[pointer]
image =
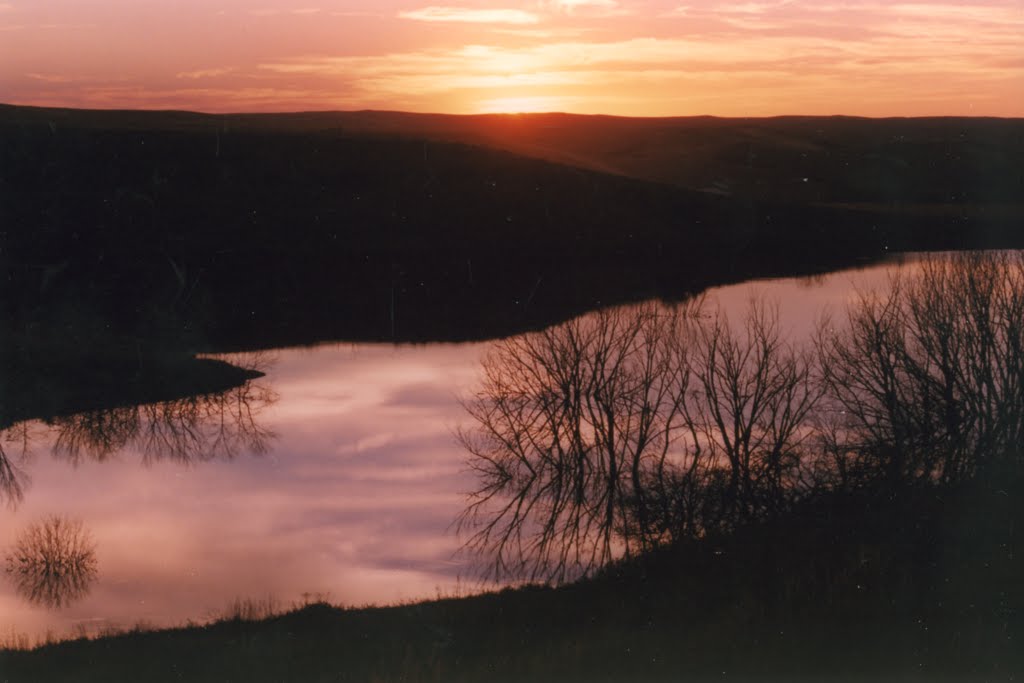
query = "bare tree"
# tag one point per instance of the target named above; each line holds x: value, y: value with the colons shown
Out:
x: 572, y: 423
x: 929, y: 378
x: 616, y: 432
x: 619, y: 431
x: 754, y: 394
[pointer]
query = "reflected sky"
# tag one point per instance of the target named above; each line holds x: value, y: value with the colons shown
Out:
x: 354, y: 498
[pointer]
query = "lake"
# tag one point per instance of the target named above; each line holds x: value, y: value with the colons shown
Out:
x: 335, y: 476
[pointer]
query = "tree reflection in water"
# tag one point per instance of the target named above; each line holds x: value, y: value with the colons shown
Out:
x: 184, y: 430
x: 575, y: 426
x: 12, y: 480
x: 53, y: 562
x: 631, y: 428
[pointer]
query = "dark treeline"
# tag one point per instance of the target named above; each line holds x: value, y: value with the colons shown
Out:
x: 636, y: 428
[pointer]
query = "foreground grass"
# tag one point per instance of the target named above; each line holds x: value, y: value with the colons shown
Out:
x: 852, y: 588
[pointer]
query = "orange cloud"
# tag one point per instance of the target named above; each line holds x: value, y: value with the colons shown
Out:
x: 593, y: 7
x: 471, y: 16
x: 205, y: 73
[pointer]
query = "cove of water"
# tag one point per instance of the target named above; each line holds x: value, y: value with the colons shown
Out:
x: 343, y: 484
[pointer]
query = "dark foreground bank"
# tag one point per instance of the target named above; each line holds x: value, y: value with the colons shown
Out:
x: 852, y: 587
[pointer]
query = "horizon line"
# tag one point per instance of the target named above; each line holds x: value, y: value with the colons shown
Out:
x: 518, y: 114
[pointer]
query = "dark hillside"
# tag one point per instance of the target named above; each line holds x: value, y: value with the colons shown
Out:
x: 266, y: 230
x: 917, y: 165
x: 217, y: 236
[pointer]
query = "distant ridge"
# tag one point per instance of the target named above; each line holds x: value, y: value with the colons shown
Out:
x: 923, y: 166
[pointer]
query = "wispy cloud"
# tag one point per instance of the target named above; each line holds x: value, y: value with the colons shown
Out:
x: 471, y: 16
x: 205, y: 73
x: 49, y: 78
x: 355, y: 13
x: 588, y: 7
x: 875, y: 68
x: 927, y: 19
x: 274, y: 11
x: 66, y: 26
x: 543, y: 33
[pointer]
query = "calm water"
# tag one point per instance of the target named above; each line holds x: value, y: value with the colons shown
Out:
x: 350, y: 496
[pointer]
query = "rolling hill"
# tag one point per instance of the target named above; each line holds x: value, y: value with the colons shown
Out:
x: 256, y: 230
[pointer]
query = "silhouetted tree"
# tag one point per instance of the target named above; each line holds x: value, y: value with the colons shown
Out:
x: 571, y: 425
x: 622, y: 430
x: 619, y: 431
x: 753, y: 397
x: 926, y: 381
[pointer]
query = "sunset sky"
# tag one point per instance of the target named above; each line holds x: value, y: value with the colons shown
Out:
x: 629, y: 57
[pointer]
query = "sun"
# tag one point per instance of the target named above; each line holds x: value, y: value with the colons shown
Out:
x: 522, y: 105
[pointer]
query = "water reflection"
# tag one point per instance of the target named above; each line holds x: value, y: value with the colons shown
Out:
x: 187, y: 430
x: 13, y: 449
x: 366, y: 482
x: 631, y: 428
x: 184, y: 430
x: 53, y: 562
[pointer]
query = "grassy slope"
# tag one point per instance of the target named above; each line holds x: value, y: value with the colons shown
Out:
x: 920, y: 590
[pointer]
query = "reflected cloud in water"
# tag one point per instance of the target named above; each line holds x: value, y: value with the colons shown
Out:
x: 355, y: 497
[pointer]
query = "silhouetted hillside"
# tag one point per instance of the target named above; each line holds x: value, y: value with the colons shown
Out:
x: 919, y: 164
x: 265, y: 230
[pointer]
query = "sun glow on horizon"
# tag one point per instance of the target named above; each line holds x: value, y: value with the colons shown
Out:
x: 523, y: 105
